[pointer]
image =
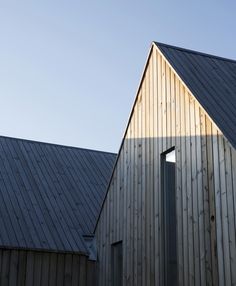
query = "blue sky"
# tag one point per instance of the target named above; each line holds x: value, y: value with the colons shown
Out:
x: 69, y: 70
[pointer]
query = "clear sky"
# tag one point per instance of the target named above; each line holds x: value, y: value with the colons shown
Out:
x: 69, y: 69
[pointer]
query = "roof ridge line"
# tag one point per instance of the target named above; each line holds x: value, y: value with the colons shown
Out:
x: 159, y: 44
x: 55, y: 144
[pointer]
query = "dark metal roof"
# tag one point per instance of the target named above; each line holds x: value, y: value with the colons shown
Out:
x: 50, y: 195
x: 212, y: 80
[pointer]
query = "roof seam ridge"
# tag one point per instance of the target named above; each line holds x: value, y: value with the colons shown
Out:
x: 55, y: 144
x: 195, y: 52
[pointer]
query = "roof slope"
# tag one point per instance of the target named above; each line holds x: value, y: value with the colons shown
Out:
x: 50, y: 195
x: 212, y: 80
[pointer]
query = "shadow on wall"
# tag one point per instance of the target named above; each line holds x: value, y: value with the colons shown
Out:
x: 205, y: 198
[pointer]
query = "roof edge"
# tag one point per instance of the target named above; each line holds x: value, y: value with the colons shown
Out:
x: 158, y: 48
x: 45, y: 250
x: 159, y: 44
x: 126, y: 129
x: 55, y: 144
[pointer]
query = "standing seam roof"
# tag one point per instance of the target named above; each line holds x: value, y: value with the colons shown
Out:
x: 212, y: 80
x: 50, y: 195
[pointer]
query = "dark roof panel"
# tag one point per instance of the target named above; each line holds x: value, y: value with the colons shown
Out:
x: 212, y: 80
x: 50, y: 195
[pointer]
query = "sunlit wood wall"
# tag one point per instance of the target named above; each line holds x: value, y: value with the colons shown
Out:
x: 165, y: 115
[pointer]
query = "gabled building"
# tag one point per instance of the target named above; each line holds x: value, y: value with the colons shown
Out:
x: 50, y: 198
x: 169, y: 214
x: 165, y: 215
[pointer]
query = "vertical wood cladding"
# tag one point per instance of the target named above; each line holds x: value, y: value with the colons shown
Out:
x: 31, y: 268
x: 165, y: 115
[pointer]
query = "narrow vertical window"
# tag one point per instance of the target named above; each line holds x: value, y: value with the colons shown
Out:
x: 117, y: 264
x: 169, y: 218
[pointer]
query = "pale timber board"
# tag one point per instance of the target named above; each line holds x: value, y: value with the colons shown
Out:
x: 121, y: 208
x: 139, y: 190
x: 219, y: 233
x: 176, y: 141
x: 224, y: 208
x: 149, y: 129
x: 117, y: 202
x: 132, y: 202
x: 147, y: 172
x: 163, y: 105
x: 212, y: 205
x: 168, y: 107
x: 125, y: 216
x: 181, y: 97
x: 107, y: 221
x: 129, y: 214
x: 231, y: 210
x: 143, y: 184
x: 135, y: 194
x: 200, y: 192
x: 159, y: 150
x: 156, y: 177
x: 194, y: 192
x: 151, y: 175
x: 189, y: 192
x: 103, y: 254
x: 205, y: 197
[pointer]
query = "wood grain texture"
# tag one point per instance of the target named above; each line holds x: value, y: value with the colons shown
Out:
x: 165, y: 114
x: 27, y: 268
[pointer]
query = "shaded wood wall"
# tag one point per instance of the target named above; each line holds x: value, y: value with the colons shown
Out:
x: 165, y: 114
x: 31, y: 268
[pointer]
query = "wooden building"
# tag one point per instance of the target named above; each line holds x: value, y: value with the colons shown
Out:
x: 165, y: 215
x: 50, y: 198
x: 170, y: 210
